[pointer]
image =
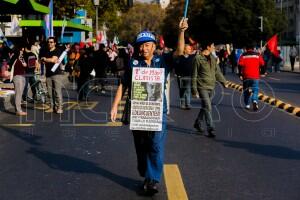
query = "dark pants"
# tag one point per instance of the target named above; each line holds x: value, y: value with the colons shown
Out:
x: 206, y: 109
x: 223, y: 66
x: 82, y: 88
x: 185, y: 85
x: 29, y: 78
x: 292, y: 60
x: 149, y: 146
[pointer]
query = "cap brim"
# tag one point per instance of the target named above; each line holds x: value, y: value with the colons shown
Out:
x: 144, y: 41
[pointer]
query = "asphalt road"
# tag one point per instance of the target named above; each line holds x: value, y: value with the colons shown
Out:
x: 256, y: 155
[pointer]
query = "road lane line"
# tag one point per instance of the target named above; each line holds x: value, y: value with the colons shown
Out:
x: 17, y: 125
x: 276, y: 79
x: 174, y: 183
x: 110, y: 124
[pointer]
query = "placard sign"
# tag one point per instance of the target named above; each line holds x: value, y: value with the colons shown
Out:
x: 147, y: 98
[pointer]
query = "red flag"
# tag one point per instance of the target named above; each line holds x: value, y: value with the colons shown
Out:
x: 99, y: 37
x: 161, y: 42
x: 272, y: 45
x: 81, y: 45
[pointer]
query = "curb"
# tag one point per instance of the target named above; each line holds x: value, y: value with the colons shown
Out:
x: 270, y: 100
x: 289, y: 71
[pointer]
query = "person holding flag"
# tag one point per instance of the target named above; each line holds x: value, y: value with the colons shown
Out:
x: 249, y: 65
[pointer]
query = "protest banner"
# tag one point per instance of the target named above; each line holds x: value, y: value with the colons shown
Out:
x: 147, y: 99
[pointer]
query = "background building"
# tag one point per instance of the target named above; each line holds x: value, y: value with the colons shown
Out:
x: 292, y: 10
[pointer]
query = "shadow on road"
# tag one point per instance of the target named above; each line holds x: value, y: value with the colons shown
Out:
x: 25, y: 135
x: 181, y: 130
x: 71, y: 164
x: 265, y: 150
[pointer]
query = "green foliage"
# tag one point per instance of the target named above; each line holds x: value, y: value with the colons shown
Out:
x: 140, y: 17
x: 107, y: 11
x: 234, y: 21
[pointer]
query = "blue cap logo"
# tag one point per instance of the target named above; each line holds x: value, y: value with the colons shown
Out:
x: 145, y: 36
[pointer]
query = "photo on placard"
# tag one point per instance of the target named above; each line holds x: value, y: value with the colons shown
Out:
x: 145, y: 91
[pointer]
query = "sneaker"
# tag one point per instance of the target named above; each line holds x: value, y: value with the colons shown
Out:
x: 199, y: 128
x: 150, y: 187
x: 211, y: 133
x: 59, y: 111
x: 182, y: 107
x: 103, y: 91
x: 21, y: 113
x: 49, y: 110
x: 247, y: 107
x: 188, y: 107
x: 255, y: 106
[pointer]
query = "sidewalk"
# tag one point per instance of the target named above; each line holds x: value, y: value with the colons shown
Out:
x: 287, y: 67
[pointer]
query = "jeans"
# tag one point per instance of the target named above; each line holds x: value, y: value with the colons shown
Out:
x: 54, y: 87
x: 253, y: 85
x: 149, y: 146
x: 19, y: 83
x: 32, y: 81
x: 185, y: 85
x: 206, y: 109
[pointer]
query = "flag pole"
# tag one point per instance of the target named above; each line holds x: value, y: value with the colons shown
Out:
x: 186, y: 8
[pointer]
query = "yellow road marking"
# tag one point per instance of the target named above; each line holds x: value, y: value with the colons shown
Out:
x: 285, y: 107
x: 41, y: 106
x: 71, y: 104
x: 174, y: 183
x: 296, y: 110
x: 18, y: 125
x: 90, y: 105
x: 111, y: 124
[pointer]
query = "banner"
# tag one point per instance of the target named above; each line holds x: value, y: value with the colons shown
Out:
x: 147, y: 99
x: 49, y: 21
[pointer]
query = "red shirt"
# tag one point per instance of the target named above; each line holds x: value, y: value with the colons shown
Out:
x: 250, y: 62
x: 19, y: 69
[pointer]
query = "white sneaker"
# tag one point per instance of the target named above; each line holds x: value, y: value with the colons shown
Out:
x: 59, y: 111
x: 247, y: 107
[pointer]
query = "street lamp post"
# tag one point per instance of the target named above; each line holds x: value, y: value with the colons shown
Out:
x: 96, y: 3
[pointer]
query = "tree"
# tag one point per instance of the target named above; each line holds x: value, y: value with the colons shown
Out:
x: 234, y: 21
x: 140, y: 17
x: 109, y: 11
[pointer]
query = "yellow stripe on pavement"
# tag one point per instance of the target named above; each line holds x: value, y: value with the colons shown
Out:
x: 17, y: 125
x: 174, y: 183
x: 110, y: 124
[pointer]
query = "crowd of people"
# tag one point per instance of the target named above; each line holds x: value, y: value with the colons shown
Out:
x: 28, y: 62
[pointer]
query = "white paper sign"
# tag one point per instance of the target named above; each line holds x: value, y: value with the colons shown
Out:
x: 147, y: 99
